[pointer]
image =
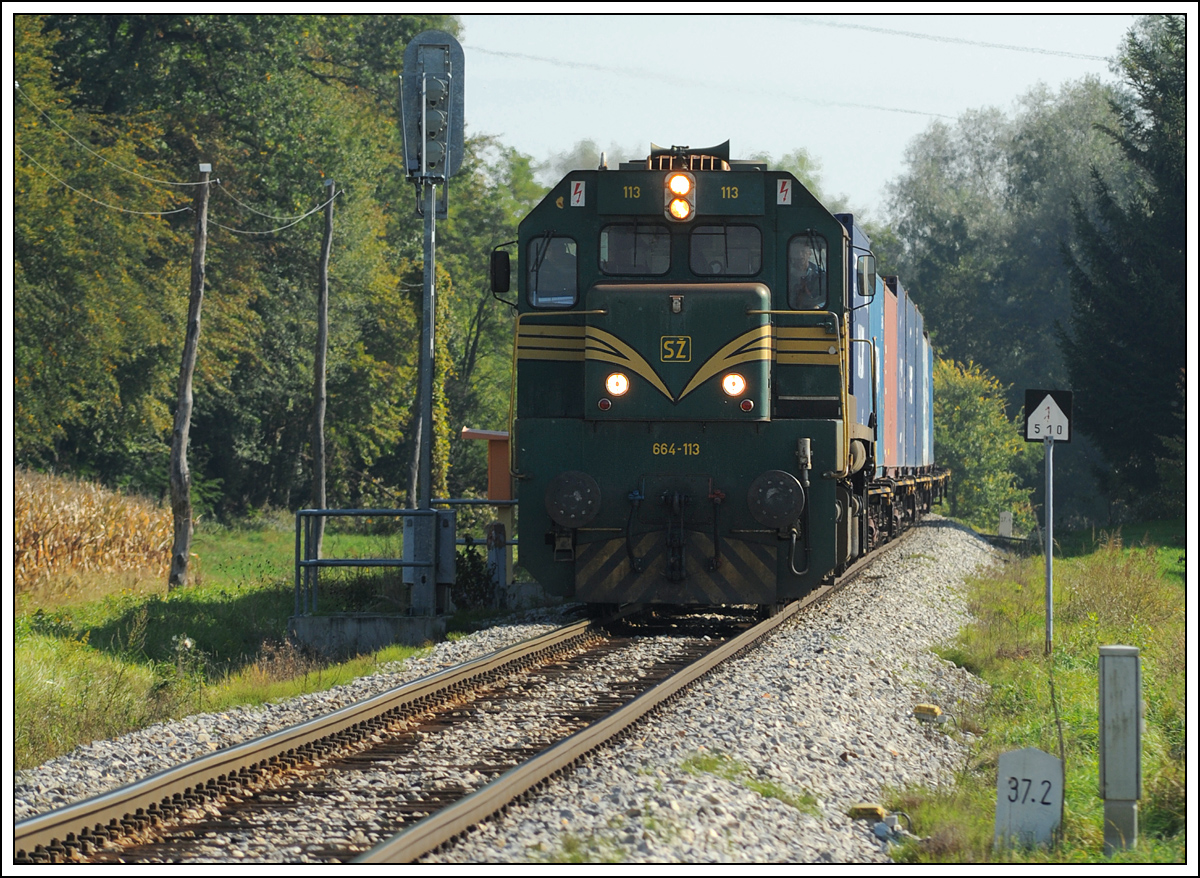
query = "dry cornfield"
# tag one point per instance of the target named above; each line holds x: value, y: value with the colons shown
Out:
x: 63, y: 525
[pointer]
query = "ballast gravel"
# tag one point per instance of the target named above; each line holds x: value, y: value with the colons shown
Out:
x: 759, y: 763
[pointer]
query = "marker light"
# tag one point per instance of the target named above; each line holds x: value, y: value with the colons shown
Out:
x: 604, y: 404
x: 679, y: 184
x: 679, y: 196
x: 616, y: 384
x: 680, y: 209
x: 733, y: 384
x: 747, y: 405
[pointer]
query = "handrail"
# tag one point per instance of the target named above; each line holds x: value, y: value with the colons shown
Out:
x: 308, y: 515
x: 839, y: 328
x: 302, y: 563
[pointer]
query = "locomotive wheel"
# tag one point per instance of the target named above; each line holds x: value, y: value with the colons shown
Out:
x: 600, y: 611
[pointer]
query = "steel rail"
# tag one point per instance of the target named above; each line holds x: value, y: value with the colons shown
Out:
x: 161, y: 795
x: 142, y: 800
x: 437, y: 829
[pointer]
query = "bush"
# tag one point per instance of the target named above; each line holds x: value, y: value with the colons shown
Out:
x: 982, y: 448
x: 473, y: 585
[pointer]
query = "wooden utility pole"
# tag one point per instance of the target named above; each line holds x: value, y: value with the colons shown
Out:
x: 181, y: 478
x: 318, y: 436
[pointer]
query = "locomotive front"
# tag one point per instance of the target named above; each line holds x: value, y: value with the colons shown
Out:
x: 684, y: 429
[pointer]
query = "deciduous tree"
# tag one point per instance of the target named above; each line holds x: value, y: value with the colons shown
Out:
x: 982, y: 447
x: 1128, y: 266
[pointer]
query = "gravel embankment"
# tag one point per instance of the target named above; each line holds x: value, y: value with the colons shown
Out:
x: 823, y: 711
x: 101, y: 766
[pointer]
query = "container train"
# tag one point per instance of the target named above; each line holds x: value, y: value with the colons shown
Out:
x: 717, y: 399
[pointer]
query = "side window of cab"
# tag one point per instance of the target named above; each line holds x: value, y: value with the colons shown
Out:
x: 807, y: 276
x: 552, y: 276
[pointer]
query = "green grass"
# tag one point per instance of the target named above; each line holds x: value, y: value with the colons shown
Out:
x: 1107, y: 591
x: 575, y: 849
x: 96, y: 656
x: 730, y: 769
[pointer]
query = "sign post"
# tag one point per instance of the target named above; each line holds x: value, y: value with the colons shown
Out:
x: 1048, y: 420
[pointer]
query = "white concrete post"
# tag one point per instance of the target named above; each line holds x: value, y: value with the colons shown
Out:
x: 1120, y: 744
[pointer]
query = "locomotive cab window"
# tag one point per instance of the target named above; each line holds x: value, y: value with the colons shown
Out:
x: 726, y: 250
x: 626, y: 248
x: 807, y: 275
x: 552, y: 278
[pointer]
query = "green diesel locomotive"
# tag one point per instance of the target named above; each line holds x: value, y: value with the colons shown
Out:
x: 700, y: 387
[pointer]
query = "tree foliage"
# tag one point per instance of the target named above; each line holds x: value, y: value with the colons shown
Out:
x: 279, y: 105
x: 982, y: 447
x: 96, y: 307
x: 981, y: 212
x: 1128, y: 266
x: 984, y: 214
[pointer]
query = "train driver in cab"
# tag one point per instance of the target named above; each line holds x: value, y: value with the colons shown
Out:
x: 806, y: 273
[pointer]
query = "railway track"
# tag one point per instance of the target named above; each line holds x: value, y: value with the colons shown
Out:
x: 273, y: 783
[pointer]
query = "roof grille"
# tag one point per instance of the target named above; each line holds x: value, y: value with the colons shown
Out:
x: 670, y: 158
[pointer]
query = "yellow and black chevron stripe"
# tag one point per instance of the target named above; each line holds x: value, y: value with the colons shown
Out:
x: 607, y: 348
x: 754, y: 344
x: 574, y: 343
x: 746, y: 574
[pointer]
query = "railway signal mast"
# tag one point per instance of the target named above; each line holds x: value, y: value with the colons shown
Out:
x: 431, y: 122
x: 1048, y: 420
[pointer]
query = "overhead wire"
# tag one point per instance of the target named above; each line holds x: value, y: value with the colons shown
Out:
x: 628, y: 71
x: 800, y: 19
x: 225, y: 191
x: 281, y: 228
x: 937, y: 38
x: 97, y: 200
x: 93, y: 152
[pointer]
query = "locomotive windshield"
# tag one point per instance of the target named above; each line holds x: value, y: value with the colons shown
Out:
x: 552, y: 278
x: 626, y: 248
x: 735, y: 250
x: 807, y: 289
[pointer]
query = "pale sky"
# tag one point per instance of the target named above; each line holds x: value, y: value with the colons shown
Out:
x: 853, y: 90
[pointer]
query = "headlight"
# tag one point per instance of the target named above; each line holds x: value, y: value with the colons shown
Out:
x: 733, y: 384
x: 616, y: 384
